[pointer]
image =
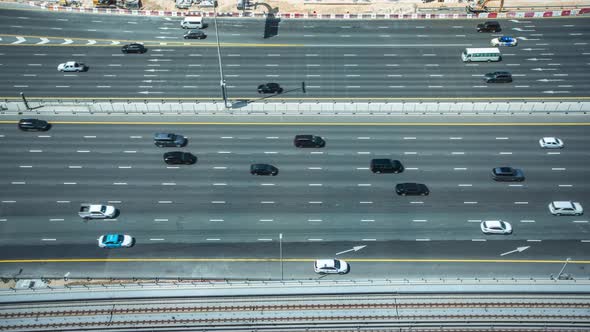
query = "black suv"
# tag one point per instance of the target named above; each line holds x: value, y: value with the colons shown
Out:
x: 489, y: 26
x: 309, y: 141
x: 270, y: 88
x: 507, y: 174
x: 386, y: 166
x: 133, y: 48
x: 33, y: 124
x: 498, y: 77
x: 169, y: 139
x: 195, y: 34
x: 263, y: 169
x: 179, y: 157
x: 414, y: 189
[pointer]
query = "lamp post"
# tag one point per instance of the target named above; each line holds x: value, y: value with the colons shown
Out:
x: 281, y: 253
x: 222, y: 79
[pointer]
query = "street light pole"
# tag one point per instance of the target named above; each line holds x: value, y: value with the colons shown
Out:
x: 281, y: 252
x: 222, y: 80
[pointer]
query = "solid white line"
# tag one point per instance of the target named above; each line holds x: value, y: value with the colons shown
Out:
x: 527, y: 221
x: 423, y: 240
x: 315, y: 202
x: 521, y: 202
x: 474, y: 220
x: 314, y: 239
x: 218, y: 202
x: 74, y: 166
x: 416, y: 202
x: 365, y: 202
x: 565, y: 185
x: 156, y: 239
x: 48, y: 239
x: 120, y: 183
x: 465, y: 185
x: 213, y: 239
x: 581, y: 221
x: 267, y: 184
x: 56, y: 219
x: 265, y: 240
x: 460, y: 168
x: 367, y: 220
x: 368, y: 239
x: 19, y: 182
x: 478, y: 240
x: 458, y: 152
x: 316, y: 168
x: 533, y: 240
x: 515, y: 185
x: 505, y: 152
x: 168, y: 183
x: 164, y: 202
x: 558, y: 169
x: 363, y: 185
x: 267, y: 202
x: 315, y: 184
x: 125, y: 167
x: 61, y: 202
x: 420, y: 220
x: 68, y: 183
x: 26, y: 166
x: 469, y: 202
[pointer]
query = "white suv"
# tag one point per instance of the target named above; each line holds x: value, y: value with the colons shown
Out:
x: 330, y: 266
x: 72, y: 66
x: 566, y: 208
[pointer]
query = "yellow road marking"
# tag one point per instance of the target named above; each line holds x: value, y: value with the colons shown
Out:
x: 314, y: 123
x: 292, y: 260
x: 431, y: 99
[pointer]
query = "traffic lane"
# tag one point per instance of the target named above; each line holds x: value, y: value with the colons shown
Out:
x: 299, y: 258
x: 108, y: 70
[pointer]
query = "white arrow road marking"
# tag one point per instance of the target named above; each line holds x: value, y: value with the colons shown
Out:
x: 91, y: 42
x: 115, y: 42
x: 43, y: 41
x: 356, y: 248
x: 19, y: 40
x: 519, y: 249
x: 67, y: 42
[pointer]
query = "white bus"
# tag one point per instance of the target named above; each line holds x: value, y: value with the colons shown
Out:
x: 481, y: 54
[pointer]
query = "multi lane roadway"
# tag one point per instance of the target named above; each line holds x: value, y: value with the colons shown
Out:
x: 336, y: 59
x: 323, y: 201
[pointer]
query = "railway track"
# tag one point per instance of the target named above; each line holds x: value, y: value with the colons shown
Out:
x: 309, y: 313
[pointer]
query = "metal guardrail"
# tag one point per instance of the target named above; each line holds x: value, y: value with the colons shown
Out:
x: 319, y: 107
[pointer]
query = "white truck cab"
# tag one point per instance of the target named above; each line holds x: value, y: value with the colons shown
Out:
x: 72, y: 66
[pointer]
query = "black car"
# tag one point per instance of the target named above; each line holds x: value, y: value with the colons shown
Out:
x: 133, y: 48
x: 386, y: 166
x: 270, y: 88
x: 309, y: 141
x: 169, y: 140
x: 414, y: 189
x: 195, y: 34
x: 489, y: 26
x: 507, y: 174
x: 263, y: 169
x: 498, y: 77
x: 179, y: 157
x: 33, y: 124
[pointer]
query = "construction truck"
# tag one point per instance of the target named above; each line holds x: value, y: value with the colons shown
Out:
x: 126, y: 4
x: 70, y: 3
x: 480, y: 6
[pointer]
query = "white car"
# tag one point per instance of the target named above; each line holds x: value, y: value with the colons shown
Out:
x: 551, y: 143
x: 504, y: 41
x: 566, y: 208
x: 495, y: 227
x: 115, y: 241
x: 72, y: 66
x: 331, y: 266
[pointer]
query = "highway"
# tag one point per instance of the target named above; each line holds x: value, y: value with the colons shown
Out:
x: 336, y: 59
x: 323, y: 201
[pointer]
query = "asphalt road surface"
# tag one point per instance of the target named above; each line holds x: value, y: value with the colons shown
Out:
x: 336, y: 59
x: 323, y: 201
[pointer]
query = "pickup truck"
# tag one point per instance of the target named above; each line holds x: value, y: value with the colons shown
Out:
x: 72, y: 66
x: 97, y: 211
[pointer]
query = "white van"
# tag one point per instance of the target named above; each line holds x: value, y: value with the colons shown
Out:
x: 481, y: 54
x: 192, y: 22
